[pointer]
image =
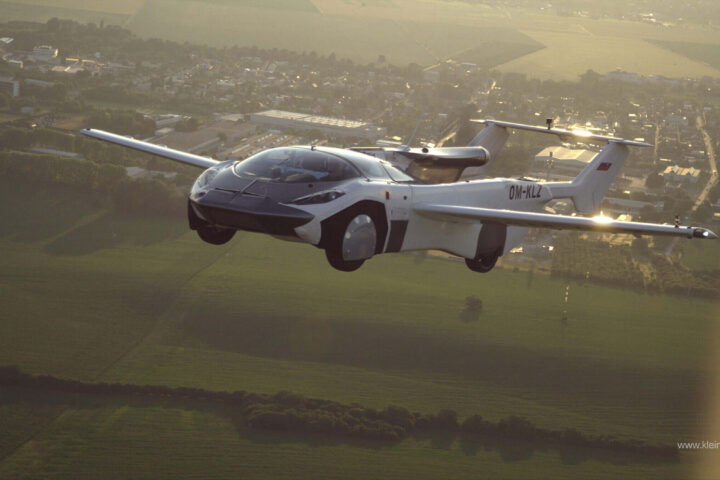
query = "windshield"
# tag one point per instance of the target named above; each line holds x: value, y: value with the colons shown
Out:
x: 294, y: 165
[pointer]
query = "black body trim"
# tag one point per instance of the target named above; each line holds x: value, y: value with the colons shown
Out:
x: 491, y: 240
x: 397, y: 235
x: 249, y: 212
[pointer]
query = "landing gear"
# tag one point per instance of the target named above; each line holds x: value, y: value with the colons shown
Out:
x: 482, y: 264
x: 352, y: 239
x: 215, y: 235
x: 207, y: 231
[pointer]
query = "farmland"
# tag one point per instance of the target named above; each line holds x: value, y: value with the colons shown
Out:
x: 425, y: 32
x: 707, y: 53
x: 151, y: 304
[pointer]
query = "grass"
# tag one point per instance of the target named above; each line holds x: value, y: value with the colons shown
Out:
x: 411, y: 31
x: 127, y: 7
x: 153, y: 305
x: 285, y: 5
x: 161, y: 440
x: 701, y: 256
x: 568, y: 54
x: 708, y: 53
x: 361, y: 39
x: 42, y: 10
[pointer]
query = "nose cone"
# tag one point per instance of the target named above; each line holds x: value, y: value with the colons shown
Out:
x: 250, y: 212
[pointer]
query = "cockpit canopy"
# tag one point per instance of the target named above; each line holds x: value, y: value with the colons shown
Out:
x: 296, y: 165
x: 303, y: 165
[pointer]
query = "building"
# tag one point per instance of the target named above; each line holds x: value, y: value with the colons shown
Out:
x: 44, y: 53
x: 676, y: 174
x: 561, y: 162
x: 9, y: 86
x: 280, y: 119
x: 620, y: 206
x: 623, y: 76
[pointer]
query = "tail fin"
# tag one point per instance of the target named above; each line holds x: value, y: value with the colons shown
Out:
x: 588, y: 189
x: 492, y: 138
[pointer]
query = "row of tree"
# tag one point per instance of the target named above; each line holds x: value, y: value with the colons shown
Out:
x: 596, y: 261
x: 146, y: 197
x: 616, y: 265
x: 289, y: 412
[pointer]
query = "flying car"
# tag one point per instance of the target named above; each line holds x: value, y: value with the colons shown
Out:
x: 359, y: 202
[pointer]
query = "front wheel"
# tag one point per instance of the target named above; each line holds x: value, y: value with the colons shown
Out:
x: 338, y: 263
x: 215, y: 235
x: 353, y: 240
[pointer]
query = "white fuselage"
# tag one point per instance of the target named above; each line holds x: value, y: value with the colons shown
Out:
x: 426, y: 233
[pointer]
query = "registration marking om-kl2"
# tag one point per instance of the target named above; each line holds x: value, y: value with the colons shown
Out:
x: 518, y: 192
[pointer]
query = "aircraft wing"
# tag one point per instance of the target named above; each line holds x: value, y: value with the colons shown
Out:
x: 577, y: 135
x: 177, y: 155
x: 452, y: 213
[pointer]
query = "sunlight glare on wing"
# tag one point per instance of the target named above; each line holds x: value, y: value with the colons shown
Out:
x: 601, y: 219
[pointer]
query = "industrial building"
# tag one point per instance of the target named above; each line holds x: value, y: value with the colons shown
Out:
x: 279, y: 119
x: 10, y: 87
x: 44, y: 53
x: 558, y: 163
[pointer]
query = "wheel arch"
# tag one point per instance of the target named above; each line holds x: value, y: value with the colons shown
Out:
x: 374, y: 208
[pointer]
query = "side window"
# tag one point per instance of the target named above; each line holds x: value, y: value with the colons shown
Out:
x: 370, y: 167
x: 396, y: 174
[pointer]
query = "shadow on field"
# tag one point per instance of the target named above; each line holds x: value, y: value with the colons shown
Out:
x: 113, y: 229
x: 47, y: 405
x: 390, y: 347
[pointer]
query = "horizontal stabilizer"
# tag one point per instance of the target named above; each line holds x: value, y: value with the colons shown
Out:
x: 151, y: 148
x: 452, y: 213
x: 574, y: 135
x: 448, y: 153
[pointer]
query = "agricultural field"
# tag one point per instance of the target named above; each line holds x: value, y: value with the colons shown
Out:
x: 108, y: 11
x: 568, y: 54
x: 94, y: 296
x: 707, y: 53
x: 425, y: 32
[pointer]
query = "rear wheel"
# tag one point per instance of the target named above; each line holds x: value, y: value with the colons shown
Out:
x: 215, y: 235
x: 482, y: 264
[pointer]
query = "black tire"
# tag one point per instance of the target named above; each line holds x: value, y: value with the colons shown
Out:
x: 215, y: 235
x: 482, y: 264
x: 336, y: 261
x: 336, y: 233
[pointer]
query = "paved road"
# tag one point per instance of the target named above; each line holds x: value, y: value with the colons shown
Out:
x: 700, y: 122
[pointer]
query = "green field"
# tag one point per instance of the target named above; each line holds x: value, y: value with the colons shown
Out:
x: 708, y: 53
x: 292, y: 5
x: 81, y: 11
x: 93, y: 296
x: 425, y: 32
x: 699, y: 256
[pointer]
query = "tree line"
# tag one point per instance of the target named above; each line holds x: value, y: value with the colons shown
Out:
x: 146, y: 197
x: 614, y: 265
x: 290, y: 412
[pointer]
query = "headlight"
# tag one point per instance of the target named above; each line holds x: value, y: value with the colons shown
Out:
x: 203, y: 181
x: 321, y: 197
x: 206, y: 177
